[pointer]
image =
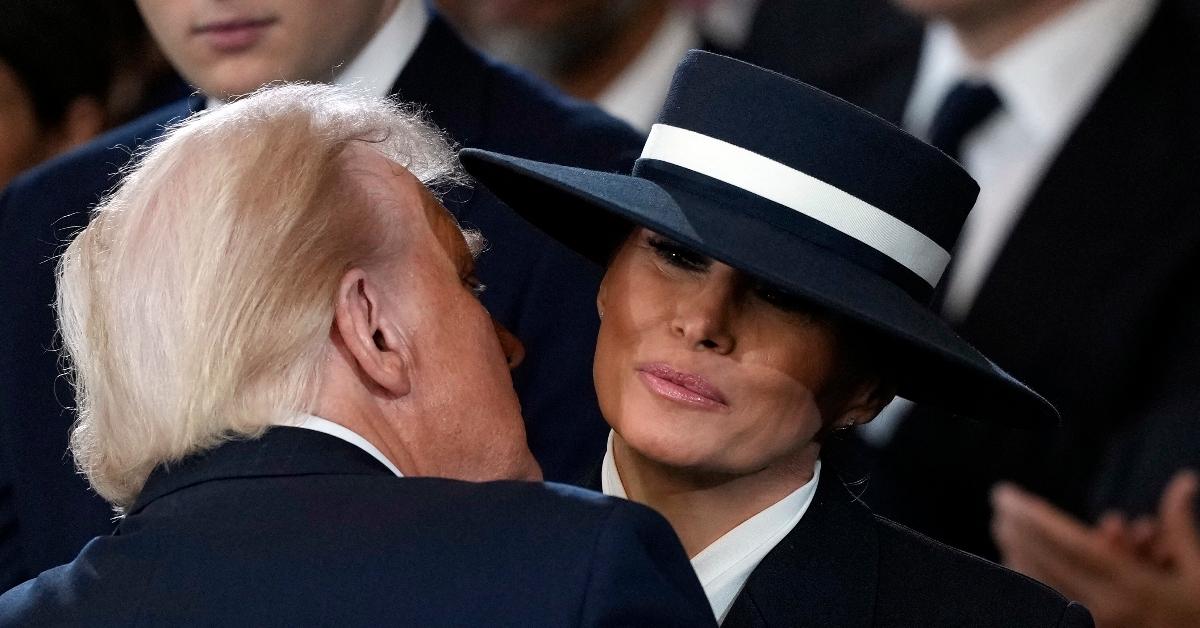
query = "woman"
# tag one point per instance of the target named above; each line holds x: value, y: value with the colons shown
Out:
x: 774, y: 290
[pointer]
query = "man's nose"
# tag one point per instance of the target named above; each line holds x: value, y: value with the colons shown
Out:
x: 512, y: 347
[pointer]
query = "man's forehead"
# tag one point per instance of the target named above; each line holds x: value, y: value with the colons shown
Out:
x: 462, y: 247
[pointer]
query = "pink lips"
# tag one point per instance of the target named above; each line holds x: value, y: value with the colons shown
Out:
x: 234, y: 34
x: 686, y: 388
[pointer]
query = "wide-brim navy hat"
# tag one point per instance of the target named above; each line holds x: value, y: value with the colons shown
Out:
x: 798, y: 188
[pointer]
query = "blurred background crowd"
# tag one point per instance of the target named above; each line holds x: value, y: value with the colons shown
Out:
x: 1079, y: 118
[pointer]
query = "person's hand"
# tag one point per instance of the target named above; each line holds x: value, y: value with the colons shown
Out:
x: 1143, y: 573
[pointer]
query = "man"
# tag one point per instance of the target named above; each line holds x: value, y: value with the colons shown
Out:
x: 1078, y: 121
x: 620, y: 54
x: 254, y: 376
x: 539, y: 290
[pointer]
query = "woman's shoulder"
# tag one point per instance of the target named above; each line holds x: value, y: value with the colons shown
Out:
x: 914, y: 570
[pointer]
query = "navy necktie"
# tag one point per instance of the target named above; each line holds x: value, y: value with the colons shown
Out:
x: 964, y: 108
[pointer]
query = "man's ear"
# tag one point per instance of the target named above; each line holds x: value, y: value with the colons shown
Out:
x: 865, y: 402
x: 373, y: 343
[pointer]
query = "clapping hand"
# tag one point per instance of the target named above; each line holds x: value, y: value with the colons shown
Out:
x: 1143, y: 573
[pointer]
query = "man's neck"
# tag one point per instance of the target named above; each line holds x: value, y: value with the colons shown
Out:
x: 368, y: 423
x: 703, y: 507
x: 986, y: 31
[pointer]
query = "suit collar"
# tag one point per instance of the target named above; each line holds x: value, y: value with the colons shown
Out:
x: 823, y: 573
x: 448, y: 78
x: 281, y: 451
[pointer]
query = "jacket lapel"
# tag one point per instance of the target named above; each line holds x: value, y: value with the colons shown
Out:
x: 450, y: 82
x: 823, y: 573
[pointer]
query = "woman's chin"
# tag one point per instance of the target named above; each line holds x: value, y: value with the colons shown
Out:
x: 685, y: 452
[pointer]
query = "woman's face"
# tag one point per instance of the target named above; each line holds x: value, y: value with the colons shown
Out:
x: 699, y: 366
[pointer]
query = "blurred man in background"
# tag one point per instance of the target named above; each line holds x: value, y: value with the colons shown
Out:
x: 226, y: 48
x: 619, y: 54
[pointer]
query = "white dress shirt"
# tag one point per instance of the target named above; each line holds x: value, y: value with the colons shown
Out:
x: 317, y: 424
x: 380, y: 62
x: 724, y: 566
x: 639, y: 91
x: 1046, y: 82
x: 377, y: 67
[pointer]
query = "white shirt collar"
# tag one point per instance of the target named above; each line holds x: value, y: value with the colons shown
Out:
x: 379, y: 64
x: 1047, y: 79
x: 317, y: 424
x: 376, y: 69
x: 724, y: 566
x: 637, y: 94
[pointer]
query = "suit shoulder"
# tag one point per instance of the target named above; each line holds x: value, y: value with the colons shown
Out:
x: 913, y: 565
x: 553, y: 515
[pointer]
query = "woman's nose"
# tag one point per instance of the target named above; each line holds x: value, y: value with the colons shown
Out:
x: 704, y: 317
x: 514, y: 351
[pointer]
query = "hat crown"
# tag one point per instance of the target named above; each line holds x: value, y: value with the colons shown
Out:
x: 824, y: 137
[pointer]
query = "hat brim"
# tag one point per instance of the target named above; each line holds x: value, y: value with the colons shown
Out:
x: 591, y: 212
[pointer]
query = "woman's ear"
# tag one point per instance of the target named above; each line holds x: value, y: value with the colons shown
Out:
x: 366, y: 330
x: 602, y: 296
x: 865, y: 402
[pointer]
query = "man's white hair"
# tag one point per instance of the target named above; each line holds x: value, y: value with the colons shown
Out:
x: 196, y: 305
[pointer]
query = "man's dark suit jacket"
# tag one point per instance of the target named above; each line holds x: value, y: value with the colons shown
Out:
x: 843, y: 566
x: 536, y: 287
x: 300, y: 528
x: 1092, y: 301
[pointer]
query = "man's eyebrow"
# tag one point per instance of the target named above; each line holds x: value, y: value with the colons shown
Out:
x: 476, y: 243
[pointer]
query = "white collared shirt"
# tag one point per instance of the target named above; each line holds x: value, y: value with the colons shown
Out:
x: 1046, y: 81
x: 639, y: 91
x: 380, y: 62
x: 317, y: 424
x: 724, y: 566
x: 377, y: 67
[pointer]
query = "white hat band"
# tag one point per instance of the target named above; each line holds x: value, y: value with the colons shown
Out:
x: 769, y: 179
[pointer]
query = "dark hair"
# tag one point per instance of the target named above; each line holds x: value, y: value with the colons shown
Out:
x: 862, y: 355
x: 59, y: 51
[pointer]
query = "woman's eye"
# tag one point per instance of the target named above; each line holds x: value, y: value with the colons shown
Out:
x: 779, y: 298
x: 678, y: 256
